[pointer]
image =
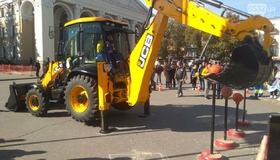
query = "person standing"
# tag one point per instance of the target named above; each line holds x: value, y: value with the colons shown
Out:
x: 258, y: 89
x: 201, y: 80
x: 152, y: 81
x: 204, y: 73
x: 275, y: 86
x: 167, y: 70
x: 158, y: 70
x: 172, y: 74
x: 179, y: 75
x: 30, y: 61
x: 271, y: 79
x: 185, y: 70
x: 194, y: 74
x: 190, y: 65
x: 38, y: 67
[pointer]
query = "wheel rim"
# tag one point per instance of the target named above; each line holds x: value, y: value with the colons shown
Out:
x: 34, y: 102
x: 79, y: 98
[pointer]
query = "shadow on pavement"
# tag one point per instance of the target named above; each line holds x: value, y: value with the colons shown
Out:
x: 15, y: 153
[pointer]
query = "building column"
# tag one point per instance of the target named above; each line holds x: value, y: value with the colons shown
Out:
x: 119, y: 18
x: 100, y: 13
x: 43, y: 27
x: 77, y: 10
x: 132, y: 36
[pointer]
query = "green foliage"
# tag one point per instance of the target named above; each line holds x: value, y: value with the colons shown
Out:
x: 178, y: 36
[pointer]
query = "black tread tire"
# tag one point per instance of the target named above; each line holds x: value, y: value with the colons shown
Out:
x: 122, y: 106
x: 41, y: 109
x: 90, y: 108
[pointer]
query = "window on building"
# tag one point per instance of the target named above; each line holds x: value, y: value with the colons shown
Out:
x: 14, y: 51
x: 13, y: 31
x: 2, y: 32
x: 2, y: 12
x: 137, y: 32
x: 3, y: 52
x: 11, y: 8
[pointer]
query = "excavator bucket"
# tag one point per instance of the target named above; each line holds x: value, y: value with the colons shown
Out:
x: 17, y: 96
x: 249, y: 66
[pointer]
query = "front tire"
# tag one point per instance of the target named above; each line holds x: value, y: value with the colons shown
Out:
x: 36, y: 102
x: 81, y: 98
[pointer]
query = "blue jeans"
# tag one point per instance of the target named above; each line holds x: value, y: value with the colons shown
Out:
x: 158, y: 78
x: 207, y: 87
x: 201, y: 82
x: 180, y: 83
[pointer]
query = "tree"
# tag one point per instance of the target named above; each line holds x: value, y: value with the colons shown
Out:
x: 176, y: 38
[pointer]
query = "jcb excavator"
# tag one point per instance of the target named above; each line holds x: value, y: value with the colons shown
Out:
x: 88, y: 83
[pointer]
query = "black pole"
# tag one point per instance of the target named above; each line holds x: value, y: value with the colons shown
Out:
x: 104, y: 122
x: 213, y: 119
x: 236, y: 117
x: 225, y: 119
x: 244, y: 106
x: 146, y: 109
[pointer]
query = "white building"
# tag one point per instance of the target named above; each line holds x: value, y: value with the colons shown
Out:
x: 30, y: 28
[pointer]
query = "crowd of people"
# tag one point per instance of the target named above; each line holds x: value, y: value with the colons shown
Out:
x: 178, y: 73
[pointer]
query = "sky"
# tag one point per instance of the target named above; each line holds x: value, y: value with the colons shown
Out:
x: 266, y: 8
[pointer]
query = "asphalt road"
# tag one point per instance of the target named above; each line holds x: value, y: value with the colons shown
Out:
x: 178, y: 128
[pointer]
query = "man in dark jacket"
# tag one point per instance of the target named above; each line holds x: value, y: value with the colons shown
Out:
x: 172, y: 74
x: 180, y: 76
x: 158, y: 71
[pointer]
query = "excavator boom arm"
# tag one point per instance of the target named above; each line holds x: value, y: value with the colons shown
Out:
x: 194, y: 15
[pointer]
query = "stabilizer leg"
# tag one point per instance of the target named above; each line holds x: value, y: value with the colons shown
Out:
x: 146, y: 109
x: 104, y: 122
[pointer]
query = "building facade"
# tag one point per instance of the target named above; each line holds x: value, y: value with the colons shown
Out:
x: 30, y: 28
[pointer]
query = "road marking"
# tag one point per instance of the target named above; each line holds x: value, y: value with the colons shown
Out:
x: 138, y: 155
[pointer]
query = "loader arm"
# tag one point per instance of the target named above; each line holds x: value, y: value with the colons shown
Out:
x: 54, y: 69
x: 194, y: 15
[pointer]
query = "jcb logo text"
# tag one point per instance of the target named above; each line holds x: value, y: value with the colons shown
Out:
x: 145, y: 51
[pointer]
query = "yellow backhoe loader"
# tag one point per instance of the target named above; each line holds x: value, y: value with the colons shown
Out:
x: 89, y: 81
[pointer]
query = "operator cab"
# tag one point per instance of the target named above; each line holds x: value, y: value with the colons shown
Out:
x: 85, y: 38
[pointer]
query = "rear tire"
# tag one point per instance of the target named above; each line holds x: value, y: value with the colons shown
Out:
x: 36, y: 102
x: 81, y: 98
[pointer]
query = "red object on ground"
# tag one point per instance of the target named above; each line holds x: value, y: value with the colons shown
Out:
x: 159, y: 88
x: 206, y: 155
x: 236, y: 133
x: 225, y: 144
x: 244, y: 123
x: 226, y: 92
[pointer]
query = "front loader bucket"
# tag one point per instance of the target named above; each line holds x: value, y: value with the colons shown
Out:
x: 17, y: 96
x: 249, y: 66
